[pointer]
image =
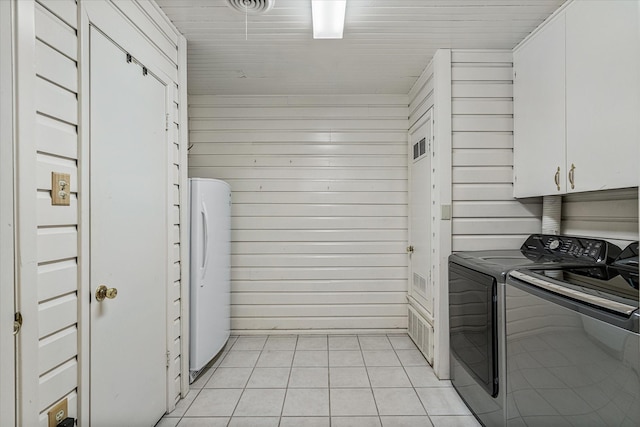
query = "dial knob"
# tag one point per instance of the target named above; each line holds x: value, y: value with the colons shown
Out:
x: 554, y: 244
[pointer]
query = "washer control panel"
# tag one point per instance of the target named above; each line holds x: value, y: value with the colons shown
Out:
x: 570, y: 248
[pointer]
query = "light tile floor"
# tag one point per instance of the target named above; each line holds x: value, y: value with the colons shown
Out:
x: 320, y: 381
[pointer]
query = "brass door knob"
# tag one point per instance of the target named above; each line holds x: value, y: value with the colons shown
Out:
x: 103, y: 292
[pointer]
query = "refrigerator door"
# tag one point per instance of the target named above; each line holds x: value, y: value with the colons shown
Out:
x: 210, y: 269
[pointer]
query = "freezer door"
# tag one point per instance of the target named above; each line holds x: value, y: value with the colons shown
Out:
x: 210, y: 272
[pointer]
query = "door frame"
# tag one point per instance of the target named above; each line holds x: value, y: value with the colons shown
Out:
x: 7, y: 237
x: 114, y: 25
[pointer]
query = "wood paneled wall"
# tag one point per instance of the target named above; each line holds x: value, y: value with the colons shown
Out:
x: 319, y: 216
x: 485, y: 214
x: 56, y: 143
x: 60, y: 252
x: 611, y: 215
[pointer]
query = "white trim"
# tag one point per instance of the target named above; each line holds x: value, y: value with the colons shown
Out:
x: 441, y: 178
x: 26, y: 221
x: 7, y: 255
x: 183, y: 120
x: 84, y: 223
x: 168, y: 226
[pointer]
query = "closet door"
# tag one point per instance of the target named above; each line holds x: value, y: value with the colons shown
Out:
x: 128, y: 211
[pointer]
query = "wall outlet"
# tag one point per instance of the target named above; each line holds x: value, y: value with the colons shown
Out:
x: 60, y: 189
x: 58, y: 413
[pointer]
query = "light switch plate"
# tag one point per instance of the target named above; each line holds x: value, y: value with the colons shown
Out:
x: 445, y: 212
x: 60, y: 189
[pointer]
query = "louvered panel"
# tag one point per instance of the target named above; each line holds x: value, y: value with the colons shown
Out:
x: 319, y: 247
x: 315, y: 210
x: 307, y: 240
x: 318, y: 299
x: 302, y: 311
x: 56, y: 33
x: 289, y: 235
x: 311, y: 286
x: 298, y: 173
x: 391, y: 188
x: 284, y: 161
x: 66, y: 10
x: 611, y: 214
x: 318, y: 260
x: 378, y: 198
x: 253, y: 148
x: 319, y: 273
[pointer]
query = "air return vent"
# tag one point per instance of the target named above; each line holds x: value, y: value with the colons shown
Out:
x: 253, y: 7
x: 421, y: 332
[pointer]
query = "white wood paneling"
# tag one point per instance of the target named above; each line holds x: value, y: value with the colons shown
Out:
x: 386, y: 44
x: 485, y: 214
x: 611, y: 215
x: 50, y: 87
x: 319, y: 212
x: 56, y: 104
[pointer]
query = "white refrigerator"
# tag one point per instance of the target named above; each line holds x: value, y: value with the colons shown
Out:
x: 210, y: 271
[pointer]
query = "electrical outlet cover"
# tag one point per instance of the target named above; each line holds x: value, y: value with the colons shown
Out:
x: 58, y: 413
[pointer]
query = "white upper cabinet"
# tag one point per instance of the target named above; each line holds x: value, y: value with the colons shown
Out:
x: 577, y: 101
x: 539, y: 113
x: 603, y: 94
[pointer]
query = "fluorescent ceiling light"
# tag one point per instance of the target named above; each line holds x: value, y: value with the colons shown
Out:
x: 328, y: 18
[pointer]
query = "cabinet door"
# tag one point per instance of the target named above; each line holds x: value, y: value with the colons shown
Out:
x: 539, y: 113
x: 603, y: 94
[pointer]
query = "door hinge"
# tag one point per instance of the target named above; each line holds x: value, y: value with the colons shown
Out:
x: 168, y: 357
x: 17, y: 323
x: 166, y: 121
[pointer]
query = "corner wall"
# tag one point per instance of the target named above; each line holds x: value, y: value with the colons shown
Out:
x: 319, y: 216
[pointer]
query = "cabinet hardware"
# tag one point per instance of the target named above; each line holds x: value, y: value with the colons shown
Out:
x: 410, y: 249
x: 572, y: 175
x: 557, y: 178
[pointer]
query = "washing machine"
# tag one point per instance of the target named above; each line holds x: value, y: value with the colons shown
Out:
x: 477, y: 312
x: 573, y: 345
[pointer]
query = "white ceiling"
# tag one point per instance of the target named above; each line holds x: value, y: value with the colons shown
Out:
x: 386, y: 45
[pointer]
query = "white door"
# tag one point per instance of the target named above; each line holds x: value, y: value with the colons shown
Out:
x: 420, y: 287
x: 128, y: 174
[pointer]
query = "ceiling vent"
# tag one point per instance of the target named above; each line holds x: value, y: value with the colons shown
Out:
x: 253, y: 7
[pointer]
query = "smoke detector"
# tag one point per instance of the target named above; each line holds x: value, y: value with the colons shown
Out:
x: 254, y: 7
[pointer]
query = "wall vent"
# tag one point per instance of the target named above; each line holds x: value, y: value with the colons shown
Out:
x: 252, y: 7
x: 420, y: 284
x: 421, y: 333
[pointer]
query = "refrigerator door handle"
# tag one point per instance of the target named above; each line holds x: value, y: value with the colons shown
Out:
x: 205, y: 239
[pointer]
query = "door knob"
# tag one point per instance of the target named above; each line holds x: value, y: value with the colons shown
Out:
x: 103, y: 292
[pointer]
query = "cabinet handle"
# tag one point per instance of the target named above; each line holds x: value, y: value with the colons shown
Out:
x: 556, y: 178
x: 571, y: 176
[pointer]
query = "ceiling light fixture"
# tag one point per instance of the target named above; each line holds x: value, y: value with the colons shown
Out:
x: 328, y: 18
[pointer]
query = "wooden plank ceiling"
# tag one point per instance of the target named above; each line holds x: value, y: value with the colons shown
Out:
x: 386, y: 45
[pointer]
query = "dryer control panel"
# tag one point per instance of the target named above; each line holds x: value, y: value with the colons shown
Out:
x: 540, y: 246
